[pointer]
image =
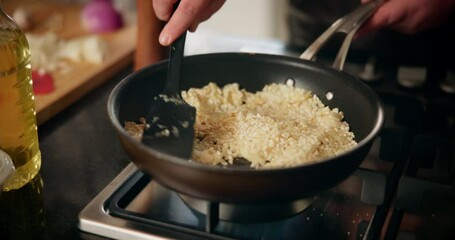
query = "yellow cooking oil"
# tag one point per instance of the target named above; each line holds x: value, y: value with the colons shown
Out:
x: 18, y: 128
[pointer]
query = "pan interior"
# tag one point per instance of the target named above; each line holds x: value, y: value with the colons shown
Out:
x: 253, y: 72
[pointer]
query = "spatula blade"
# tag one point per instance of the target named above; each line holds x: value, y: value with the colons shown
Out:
x: 170, y: 128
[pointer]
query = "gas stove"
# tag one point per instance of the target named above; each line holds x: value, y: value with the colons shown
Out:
x: 404, y: 189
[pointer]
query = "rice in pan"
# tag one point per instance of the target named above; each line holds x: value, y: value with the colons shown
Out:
x: 280, y: 126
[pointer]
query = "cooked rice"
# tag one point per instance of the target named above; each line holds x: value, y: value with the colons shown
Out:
x: 280, y: 126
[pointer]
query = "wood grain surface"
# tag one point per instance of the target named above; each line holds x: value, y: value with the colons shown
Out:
x: 80, y: 78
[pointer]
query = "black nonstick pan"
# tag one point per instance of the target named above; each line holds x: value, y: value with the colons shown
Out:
x: 130, y: 100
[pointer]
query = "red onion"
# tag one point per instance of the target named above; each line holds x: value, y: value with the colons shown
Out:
x: 100, y: 16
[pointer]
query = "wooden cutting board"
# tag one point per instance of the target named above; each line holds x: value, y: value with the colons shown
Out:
x: 80, y: 78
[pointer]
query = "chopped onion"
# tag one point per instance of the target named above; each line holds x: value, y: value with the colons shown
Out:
x: 100, y: 16
x: 51, y: 53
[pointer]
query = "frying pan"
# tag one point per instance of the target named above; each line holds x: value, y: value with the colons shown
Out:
x: 130, y: 100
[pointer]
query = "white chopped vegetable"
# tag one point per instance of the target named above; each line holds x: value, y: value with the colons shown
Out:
x: 50, y: 53
x: 88, y: 49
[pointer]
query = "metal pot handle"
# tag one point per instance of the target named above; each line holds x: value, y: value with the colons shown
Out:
x: 348, y: 24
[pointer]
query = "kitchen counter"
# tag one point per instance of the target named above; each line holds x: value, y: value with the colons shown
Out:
x: 80, y: 155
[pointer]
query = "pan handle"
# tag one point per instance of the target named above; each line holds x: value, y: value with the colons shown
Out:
x: 348, y: 24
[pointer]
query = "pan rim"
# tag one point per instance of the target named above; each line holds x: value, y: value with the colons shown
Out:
x: 192, y: 164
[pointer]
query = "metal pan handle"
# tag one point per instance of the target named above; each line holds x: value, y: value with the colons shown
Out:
x: 348, y: 24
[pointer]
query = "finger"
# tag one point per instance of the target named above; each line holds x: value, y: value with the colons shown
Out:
x: 186, y: 14
x: 164, y: 9
x: 212, y: 7
x: 193, y: 27
x: 390, y: 13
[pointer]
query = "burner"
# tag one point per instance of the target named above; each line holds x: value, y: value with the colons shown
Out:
x: 248, y: 212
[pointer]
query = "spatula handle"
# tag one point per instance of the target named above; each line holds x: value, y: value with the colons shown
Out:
x: 176, y: 52
x: 175, y: 65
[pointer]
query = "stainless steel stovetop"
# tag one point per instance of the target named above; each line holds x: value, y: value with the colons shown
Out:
x: 134, y: 206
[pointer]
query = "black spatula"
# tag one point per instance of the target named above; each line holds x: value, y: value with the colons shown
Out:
x: 170, y: 123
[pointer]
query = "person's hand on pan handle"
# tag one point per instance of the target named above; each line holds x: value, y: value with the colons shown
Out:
x: 409, y: 16
x: 187, y: 16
